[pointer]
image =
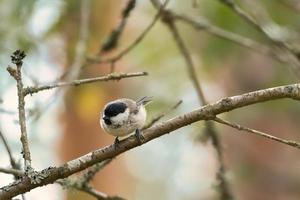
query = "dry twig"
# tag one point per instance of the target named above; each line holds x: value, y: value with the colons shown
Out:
x: 259, y: 133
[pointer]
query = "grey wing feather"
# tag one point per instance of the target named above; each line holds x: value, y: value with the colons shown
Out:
x: 144, y: 100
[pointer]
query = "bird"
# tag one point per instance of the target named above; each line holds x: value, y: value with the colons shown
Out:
x: 124, y: 116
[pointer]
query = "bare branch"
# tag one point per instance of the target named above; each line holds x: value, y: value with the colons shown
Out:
x: 262, y: 134
x: 278, y: 53
x: 15, y: 172
x: 132, y: 45
x: 77, y: 184
x: 112, y: 76
x: 17, y: 58
x: 161, y: 115
x: 252, y: 21
x: 92, y: 171
x: 112, y: 41
x: 13, y: 163
x: 207, y: 112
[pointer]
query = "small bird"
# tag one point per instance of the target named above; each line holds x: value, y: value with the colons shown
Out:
x: 124, y: 116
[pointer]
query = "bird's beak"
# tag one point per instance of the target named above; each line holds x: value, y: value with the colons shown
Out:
x: 105, y: 118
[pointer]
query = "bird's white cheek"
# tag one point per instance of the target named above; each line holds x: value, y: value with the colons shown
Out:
x: 120, y: 118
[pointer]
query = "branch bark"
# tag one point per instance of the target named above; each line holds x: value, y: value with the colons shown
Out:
x: 112, y: 76
x: 207, y: 112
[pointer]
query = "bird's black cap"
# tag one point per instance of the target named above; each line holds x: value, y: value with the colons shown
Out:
x: 114, y: 109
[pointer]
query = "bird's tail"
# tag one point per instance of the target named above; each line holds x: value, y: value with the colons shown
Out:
x: 144, y: 100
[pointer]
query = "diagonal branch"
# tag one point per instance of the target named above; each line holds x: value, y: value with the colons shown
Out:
x: 161, y: 115
x: 259, y: 133
x: 13, y: 162
x: 252, y: 21
x: 278, y: 53
x: 132, y: 45
x: 113, y: 39
x: 92, y: 171
x: 207, y: 112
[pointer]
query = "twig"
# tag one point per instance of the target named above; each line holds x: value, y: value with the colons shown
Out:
x: 161, y: 115
x: 17, y: 58
x: 91, y: 172
x: 112, y: 76
x: 112, y: 41
x: 76, y: 184
x: 81, y: 46
x: 210, y: 128
x: 278, y: 54
x: 252, y: 21
x: 15, y: 172
x: 259, y: 133
x: 132, y: 45
x: 205, y: 25
x: 11, y: 158
x: 207, y: 112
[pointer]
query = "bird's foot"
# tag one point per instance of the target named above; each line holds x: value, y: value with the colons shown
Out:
x: 138, y: 134
x: 117, y: 142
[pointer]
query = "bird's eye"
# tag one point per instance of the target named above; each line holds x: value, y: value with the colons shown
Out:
x: 107, y: 120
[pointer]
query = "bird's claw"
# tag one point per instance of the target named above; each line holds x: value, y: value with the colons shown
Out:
x: 117, y: 142
x: 139, y: 136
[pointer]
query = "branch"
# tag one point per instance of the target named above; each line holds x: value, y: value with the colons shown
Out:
x: 132, y: 45
x: 259, y: 133
x: 210, y: 128
x: 92, y: 171
x: 276, y: 53
x: 15, y: 172
x: 13, y: 162
x: 252, y: 21
x: 112, y: 76
x: 112, y: 41
x: 69, y: 183
x: 207, y: 112
x: 17, y: 58
x: 161, y: 115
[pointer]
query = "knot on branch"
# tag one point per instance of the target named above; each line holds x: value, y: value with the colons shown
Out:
x: 11, y: 71
x: 167, y: 16
x: 17, y: 57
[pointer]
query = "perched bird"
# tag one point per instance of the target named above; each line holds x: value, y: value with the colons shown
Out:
x: 124, y: 116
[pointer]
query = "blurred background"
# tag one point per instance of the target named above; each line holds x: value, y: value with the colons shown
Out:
x: 63, y: 124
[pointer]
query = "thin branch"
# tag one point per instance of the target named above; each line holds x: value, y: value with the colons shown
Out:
x: 278, y: 54
x: 15, y: 172
x: 252, y: 21
x: 210, y: 128
x: 203, y: 24
x: 76, y: 184
x: 259, y: 133
x: 161, y: 115
x: 207, y: 112
x: 81, y: 46
x: 92, y: 171
x: 113, y: 39
x: 13, y: 163
x: 17, y: 58
x: 132, y: 45
x: 112, y: 76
